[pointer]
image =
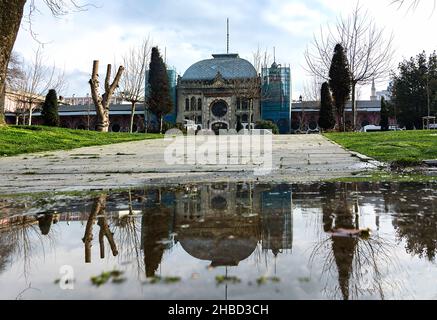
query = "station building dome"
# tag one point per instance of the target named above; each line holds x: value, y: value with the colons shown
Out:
x: 230, y: 67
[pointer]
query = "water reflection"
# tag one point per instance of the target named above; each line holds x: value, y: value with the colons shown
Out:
x: 352, y: 255
x: 230, y: 225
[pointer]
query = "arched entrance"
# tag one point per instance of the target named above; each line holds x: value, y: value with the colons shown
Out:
x: 217, y: 126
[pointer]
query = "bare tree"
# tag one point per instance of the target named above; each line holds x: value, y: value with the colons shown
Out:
x: 37, y: 80
x: 11, y: 15
x: 102, y: 102
x: 133, y: 81
x: 312, y: 88
x: 250, y: 89
x: 410, y: 4
x: 15, y: 72
x: 369, y: 52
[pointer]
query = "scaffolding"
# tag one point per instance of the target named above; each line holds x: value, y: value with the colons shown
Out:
x: 276, y: 96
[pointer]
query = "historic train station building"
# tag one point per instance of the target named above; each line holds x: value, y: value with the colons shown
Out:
x: 213, y: 94
x: 220, y: 92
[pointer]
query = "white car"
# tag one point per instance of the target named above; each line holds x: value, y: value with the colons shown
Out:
x: 371, y: 128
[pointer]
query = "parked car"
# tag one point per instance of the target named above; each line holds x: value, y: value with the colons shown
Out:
x: 371, y: 128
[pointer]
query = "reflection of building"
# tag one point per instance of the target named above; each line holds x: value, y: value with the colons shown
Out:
x: 277, y: 234
x: 216, y: 93
x: 276, y: 93
x: 228, y: 221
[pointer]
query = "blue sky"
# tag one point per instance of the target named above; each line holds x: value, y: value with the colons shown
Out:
x: 192, y: 30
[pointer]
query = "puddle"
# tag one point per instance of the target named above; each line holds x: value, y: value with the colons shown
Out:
x: 224, y: 241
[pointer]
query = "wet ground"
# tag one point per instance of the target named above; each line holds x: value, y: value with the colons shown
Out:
x: 294, y: 158
x: 223, y: 241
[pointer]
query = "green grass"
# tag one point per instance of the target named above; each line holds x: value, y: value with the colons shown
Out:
x: 398, y: 147
x: 20, y: 140
x: 386, y: 176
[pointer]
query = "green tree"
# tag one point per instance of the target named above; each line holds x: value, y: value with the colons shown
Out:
x: 267, y: 125
x: 326, y: 119
x: 385, y: 114
x: 340, y: 82
x: 160, y: 102
x: 414, y: 90
x: 50, y: 113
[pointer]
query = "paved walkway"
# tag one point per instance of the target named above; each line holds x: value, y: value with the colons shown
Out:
x: 296, y: 158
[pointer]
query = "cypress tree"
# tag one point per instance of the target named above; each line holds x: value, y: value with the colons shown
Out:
x: 385, y: 113
x: 326, y: 119
x: 159, y: 101
x: 340, y: 82
x: 50, y: 113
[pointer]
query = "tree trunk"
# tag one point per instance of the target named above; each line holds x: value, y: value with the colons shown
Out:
x: 30, y: 116
x: 11, y: 13
x: 102, y: 124
x: 132, y: 117
x: 102, y: 103
x: 354, y: 107
x: 106, y: 232
x: 161, y: 118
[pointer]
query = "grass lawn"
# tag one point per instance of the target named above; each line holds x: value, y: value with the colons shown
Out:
x: 401, y: 147
x: 19, y: 140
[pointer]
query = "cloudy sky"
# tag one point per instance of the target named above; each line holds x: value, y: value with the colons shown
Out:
x: 192, y: 30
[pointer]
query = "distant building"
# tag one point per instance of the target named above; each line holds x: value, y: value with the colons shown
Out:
x: 276, y: 96
x: 386, y: 94
x: 373, y: 96
x: 17, y: 105
x: 216, y: 93
x: 87, y: 100
x: 83, y: 117
x: 305, y: 115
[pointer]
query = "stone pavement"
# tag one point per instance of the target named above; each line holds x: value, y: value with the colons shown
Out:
x: 296, y: 158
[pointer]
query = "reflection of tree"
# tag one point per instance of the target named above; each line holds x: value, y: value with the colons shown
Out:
x: 45, y: 223
x: 415, y: 218
x: 128, y: 230
x: 355, y: 261
x: 18, y: 238
x: 155, y: 232
x: 98, y: 212
x: 6, y: 249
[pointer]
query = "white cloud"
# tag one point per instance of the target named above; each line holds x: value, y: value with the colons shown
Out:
x: 193, y: 30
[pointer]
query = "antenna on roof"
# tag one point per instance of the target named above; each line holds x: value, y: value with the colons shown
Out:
x: 274, y: 54
x: 165, y: 55
x: 227, y: 50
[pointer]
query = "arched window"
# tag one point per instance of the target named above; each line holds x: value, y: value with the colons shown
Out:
x: 193, y: 104
x: 199, y: 104
x: 238, y: 103
x: 116, y: 127
x: 245, y: 118
x: 187, y: 104
x: 245, y: 104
